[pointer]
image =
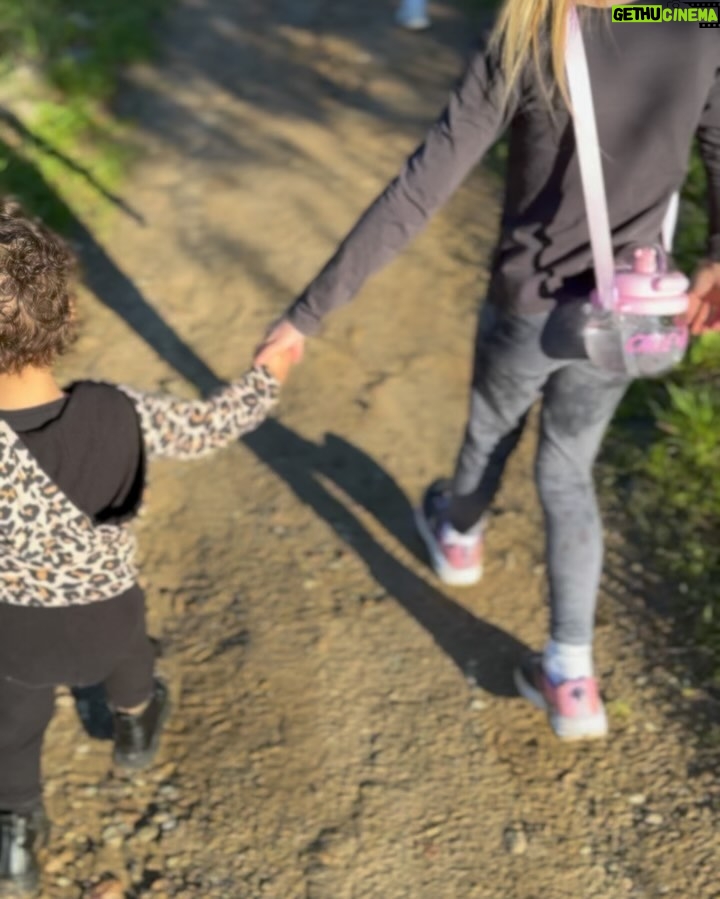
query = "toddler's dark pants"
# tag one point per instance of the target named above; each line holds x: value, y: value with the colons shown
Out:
x: 41, y: 649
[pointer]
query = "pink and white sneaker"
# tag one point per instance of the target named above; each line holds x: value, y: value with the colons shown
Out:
x: 456, y: 558
x: 574, y: 707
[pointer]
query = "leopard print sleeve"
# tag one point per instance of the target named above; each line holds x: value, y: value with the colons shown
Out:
x: 190, y: 429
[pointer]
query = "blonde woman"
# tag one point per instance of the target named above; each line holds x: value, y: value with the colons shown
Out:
x: 656, y: 86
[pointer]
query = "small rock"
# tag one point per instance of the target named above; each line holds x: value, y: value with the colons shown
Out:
x: 59, y: 862
x: 147, y: 834
x: 108, y: 889
x: 221, y: 727
x: 477, y: 705
x: 169, y: 792
x: 654, y: 819
x: 112, y: 830
x: 515, y: 840
x: 586, y: 851
x: 165, y: 773
x: 637, y: 799
x: 627, y: 884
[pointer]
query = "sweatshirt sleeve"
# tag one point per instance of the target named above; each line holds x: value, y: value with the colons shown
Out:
x: 190, y: 429
x: 708, y: 135
x: 471, y: 122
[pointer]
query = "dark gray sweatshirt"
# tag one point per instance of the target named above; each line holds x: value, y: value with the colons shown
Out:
x: 655, y: 86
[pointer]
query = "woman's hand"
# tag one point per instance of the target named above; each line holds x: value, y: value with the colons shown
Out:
x: 705, y: 299
x: 283, y: 339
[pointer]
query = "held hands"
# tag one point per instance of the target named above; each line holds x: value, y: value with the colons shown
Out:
x: 282, y: 348
x: 279, y: 366
x: 705, y: 299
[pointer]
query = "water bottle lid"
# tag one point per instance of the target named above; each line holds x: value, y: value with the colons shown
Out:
x: 645, y: 260
x: 672, y: 282
x: 651, y: 293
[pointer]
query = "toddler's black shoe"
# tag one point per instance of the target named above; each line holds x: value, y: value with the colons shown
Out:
x: 137, y: 737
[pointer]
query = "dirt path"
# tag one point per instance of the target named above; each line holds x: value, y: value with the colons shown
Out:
x: 345, y: 729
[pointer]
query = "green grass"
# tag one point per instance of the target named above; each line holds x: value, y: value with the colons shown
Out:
x: 675, y: 474
x: 59, y: 67
x: 79, y: 45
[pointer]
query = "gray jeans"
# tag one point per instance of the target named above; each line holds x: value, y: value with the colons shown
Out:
x: 518, y: 359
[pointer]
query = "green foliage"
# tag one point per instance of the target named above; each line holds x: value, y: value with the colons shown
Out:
x: 67, y: 151
x: 676, y: 500
x: 79, y: 45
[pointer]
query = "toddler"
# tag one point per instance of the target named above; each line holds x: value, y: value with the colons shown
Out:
x: 72, y: 475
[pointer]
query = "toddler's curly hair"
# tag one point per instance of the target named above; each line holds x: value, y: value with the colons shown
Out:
x: 37, y: 304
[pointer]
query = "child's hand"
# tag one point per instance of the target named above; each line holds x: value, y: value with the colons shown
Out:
x: 282, y: 337
x: 705, y: 299
x: 280, y: 363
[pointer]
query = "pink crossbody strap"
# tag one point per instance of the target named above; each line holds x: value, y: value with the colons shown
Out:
x: 591, y: 172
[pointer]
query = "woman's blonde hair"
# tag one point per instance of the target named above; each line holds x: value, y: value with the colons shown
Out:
x: 528, y: 29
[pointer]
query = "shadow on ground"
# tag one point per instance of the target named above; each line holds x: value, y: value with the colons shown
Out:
x: 483, y: 653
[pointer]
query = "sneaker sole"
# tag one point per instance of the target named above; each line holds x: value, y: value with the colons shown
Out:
x: 453, y: 577
x: 593, y: 727
x: 146, y: 758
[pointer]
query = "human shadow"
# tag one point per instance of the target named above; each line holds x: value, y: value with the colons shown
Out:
x: 484, y: 653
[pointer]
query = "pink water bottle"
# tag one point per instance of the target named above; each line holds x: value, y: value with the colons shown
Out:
x: 645, y: 332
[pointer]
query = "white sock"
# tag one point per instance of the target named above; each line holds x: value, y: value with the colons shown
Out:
x: 563, y: 661
x: 468, y: 538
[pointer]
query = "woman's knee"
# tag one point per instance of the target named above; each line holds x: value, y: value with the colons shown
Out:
x: 558, y: 470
